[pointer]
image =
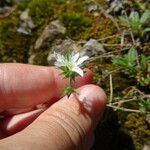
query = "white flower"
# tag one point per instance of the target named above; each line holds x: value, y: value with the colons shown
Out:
x: 72, y: 61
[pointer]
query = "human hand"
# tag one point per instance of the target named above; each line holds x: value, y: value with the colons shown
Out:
x: 67, y: 124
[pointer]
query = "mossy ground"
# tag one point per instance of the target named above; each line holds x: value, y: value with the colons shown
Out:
x: 81, y: 25
x: 13, y: 46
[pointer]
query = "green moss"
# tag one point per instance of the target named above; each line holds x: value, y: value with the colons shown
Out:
x: 76, y: 23
x: 101, y: 68
x: 13, y: 46
x: 40, y: 58
x: 103, y: 27
x: 83, y: 25
x: 75, y: 16
x: 136, y: 121
x: 138, y: 128
x: 102, y: 2
x: 23, y: 4
x: 42, y: 11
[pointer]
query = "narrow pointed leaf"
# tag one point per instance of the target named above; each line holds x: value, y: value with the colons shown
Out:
x: 132, y: 55
x: 124, y: 20
x: 134, y: 16
x: 145, y: 16
x: 146, y: 30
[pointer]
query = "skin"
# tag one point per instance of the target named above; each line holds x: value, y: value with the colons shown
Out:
x: 38, y: 117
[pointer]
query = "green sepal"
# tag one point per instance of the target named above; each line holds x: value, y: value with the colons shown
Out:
x: 68, y: 90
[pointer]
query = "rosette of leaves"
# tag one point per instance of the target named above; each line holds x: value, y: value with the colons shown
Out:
x: 136, y: 23
x: 136, y: 66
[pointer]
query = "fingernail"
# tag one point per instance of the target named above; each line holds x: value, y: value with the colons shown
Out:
x: 93, y: 99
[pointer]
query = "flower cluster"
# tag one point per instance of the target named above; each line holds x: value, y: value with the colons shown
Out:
x: 71, y: 66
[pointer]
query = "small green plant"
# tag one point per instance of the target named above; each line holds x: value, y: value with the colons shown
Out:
x: 128, y: 61
x: 136, y: 66
x: 145, y: 104
x: 70, y: 65
x: 137, y: 24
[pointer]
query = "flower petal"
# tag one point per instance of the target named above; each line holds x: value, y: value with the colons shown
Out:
x: 82, y: 59
x: 78, y: 70
x: 75, y: 58
x: 59, y: 64
x: 60, y: 60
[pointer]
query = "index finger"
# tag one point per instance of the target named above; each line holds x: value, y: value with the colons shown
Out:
x: 24, y: 86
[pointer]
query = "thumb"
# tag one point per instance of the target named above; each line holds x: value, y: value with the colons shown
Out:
x: 66, y: 125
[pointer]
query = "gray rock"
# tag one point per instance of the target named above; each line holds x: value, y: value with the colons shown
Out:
x: 62, y: 47
x: 51, y: 32
x: 116, y: 5
x: 4, y: 10
x: 93, y: 48
x: 93, y: 7
x: 5, y: 6
x: 146, y: 146
x: 31, y: 59
x: 26, y: 24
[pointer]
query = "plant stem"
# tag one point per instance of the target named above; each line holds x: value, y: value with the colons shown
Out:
x: 70, y: 82
x: 124, y: 109
x: 111, y: 88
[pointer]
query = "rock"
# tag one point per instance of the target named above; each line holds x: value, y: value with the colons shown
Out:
x: 4, y: 10
x: 5, y: 7
x: 93, y: 7
x: 146, y: 146
x: 92, y: 48
x: 51, y: 32
x: 31, y: 58
x: 116, y: 5
x: 62, y: 47
x: 26, y: 24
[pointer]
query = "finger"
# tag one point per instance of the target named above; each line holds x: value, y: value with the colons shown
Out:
x: 24, y: 86
x: 16, y: 123
x: 12, y: 111
x: 67, y: 125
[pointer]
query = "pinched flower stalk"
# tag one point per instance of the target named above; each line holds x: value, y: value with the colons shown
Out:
x: 71, y: 66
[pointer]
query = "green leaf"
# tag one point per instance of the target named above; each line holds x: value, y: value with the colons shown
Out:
x: 128, y: 61
x: 132, y: 55
x: 119, y: 61
x: 146, y: 30
x: 125, y: 20
x: 145, y: 104
x: 147, y: 81
x: 144, y: 62
x: 145, y: 16
x: 134, y: 16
